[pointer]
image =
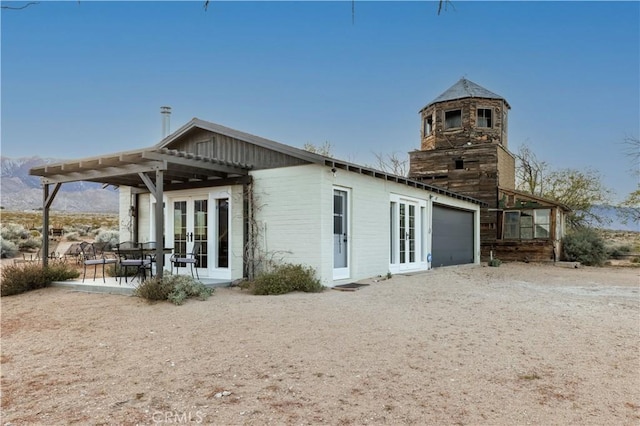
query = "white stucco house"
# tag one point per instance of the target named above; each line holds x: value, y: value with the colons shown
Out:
x: 230, y: 192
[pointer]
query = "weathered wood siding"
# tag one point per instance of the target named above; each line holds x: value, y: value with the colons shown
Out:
x: 520, y: 251
x: 468, y: 131
x: 477, y: 176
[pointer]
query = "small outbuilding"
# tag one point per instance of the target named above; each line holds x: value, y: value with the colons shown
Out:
x: 246, y: 200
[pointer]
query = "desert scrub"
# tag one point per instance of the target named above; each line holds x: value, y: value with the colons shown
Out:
x: 13, y: 232
x: 112, y: 238
x: 174, y: 288
x: 495, y: 262
x: 586, y: 246
x: 286, y: 279
x: 23, y: 277
x: 618, y: 251
x: 8, y: 248
x: 30, y: 244
x: 72, y: 236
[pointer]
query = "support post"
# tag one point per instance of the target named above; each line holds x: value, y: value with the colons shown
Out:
x: 159, y: 224
x: 45, y: 226
x: 47, y: 200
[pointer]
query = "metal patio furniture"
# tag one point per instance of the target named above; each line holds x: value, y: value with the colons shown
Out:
x: 131, y: 256
x: 191, y: 259
x: 93, y: 255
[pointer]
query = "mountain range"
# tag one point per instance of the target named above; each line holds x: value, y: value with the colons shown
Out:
x: 21, y: 191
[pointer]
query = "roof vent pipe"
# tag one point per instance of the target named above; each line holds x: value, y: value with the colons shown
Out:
x: 166, y: 116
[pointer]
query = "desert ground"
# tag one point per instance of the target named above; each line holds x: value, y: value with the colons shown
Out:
x: 519, y: 344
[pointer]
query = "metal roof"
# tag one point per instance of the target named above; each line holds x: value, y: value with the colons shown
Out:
x: 243, y: 136
x: 466, y: 89
x: 183, y: 170
x: 124, y: 168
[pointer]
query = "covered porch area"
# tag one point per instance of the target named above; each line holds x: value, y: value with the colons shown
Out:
x: 151, y: 171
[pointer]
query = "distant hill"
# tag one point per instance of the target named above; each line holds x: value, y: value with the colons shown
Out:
x: 615, y: 221
x: 21, y: 191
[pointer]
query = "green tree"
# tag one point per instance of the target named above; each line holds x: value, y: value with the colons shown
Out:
x: 580, y: 190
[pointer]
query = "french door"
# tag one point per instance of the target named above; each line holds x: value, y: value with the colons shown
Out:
x: 408, y: 243
x: 201, y: 226
x: 340, y: 234
x: 407, y: 234
x: 191, y: 229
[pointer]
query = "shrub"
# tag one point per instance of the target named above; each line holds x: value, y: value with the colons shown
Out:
x: 495, y: 262
x: 19, y: 278
x: 30, y: 244
x: 618, y: 252
x: 8, y: 248
x: 13, y: 232
x: 175, y: 288
x: 111, y: 237
x: 154, y: 289
x: 586, y: 246
x: 58, y: 271
x: 285, y: 279
x: 115, y: 270
x: 72, y: 236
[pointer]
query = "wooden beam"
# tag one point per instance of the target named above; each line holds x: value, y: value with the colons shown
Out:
x: 109, y: 172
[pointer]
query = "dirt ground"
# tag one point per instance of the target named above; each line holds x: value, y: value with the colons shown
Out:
x: 519, y: 344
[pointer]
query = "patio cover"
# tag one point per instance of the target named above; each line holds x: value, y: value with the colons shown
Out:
x: 151, y: 170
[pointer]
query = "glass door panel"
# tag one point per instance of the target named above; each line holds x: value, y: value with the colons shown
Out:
x: 223, y: 233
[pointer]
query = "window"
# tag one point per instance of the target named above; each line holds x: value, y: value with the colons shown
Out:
x: 542, y: 219
x: 484, y: 117
x: 527, y: 224
x: 453, y: 119
x: 459, y: 164
x: 511, y: 225
x: 428, y: 126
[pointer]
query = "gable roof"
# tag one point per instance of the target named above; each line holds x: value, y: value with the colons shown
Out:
x: 182, y: 169
x: 298, y: 153
x: 464, y: 88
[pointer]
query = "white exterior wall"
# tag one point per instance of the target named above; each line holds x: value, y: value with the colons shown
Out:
x: 296, y: 210
x: 145, y: 233
x: 287, y: 206
x: 236, y: 230
x: 124, y: 195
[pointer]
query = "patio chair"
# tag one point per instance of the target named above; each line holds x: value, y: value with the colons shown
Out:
x: 191, y: 259
x: 148, y: 249
x: 53, y: 252
x: 92, y: 256
x: 74, y: 252
x: 131, y: 256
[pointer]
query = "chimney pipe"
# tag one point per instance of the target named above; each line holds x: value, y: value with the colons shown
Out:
x: 166, y: 116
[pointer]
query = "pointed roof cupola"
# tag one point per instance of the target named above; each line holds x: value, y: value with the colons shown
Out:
x: 465, y: 89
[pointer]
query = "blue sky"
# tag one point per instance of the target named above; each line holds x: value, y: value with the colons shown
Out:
x: 85, y: 79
